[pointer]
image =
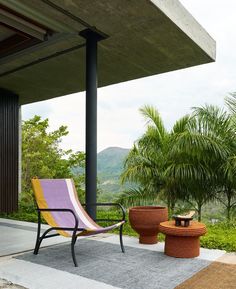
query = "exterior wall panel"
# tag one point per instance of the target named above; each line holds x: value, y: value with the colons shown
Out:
x: 9, y: 151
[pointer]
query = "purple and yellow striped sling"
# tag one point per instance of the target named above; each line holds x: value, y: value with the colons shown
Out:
x: 61, y: 193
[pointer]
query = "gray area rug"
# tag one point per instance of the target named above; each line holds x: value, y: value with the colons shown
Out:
x: 104, y: 262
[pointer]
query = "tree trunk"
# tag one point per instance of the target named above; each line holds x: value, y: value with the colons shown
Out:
x: 172, y: 208
x: 168, y: 204
x: 228, y: 207
x: 199, y: 211
x: 228, y: 213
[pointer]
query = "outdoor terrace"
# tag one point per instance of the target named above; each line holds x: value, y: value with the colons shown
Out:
x: 54, y: 52
x: 102, y: 265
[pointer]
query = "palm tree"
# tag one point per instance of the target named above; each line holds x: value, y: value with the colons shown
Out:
x: 195, y: 162
x: 223, y: 126
x: 197, y: 154
x: 147, y: 160
x: 227, y: 173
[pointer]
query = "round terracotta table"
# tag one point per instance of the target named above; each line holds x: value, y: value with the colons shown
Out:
x: 182, y: 242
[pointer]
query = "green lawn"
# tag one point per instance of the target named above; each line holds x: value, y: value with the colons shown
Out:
x: 219, y: 236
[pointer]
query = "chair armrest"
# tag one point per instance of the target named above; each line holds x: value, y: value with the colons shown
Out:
x: 60, y: 210
x: 109, y: 205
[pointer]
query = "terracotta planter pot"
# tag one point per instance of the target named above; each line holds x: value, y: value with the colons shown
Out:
x: 145, y: 221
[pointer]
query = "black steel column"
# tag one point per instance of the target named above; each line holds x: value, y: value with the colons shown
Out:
x: 9, y: 151
x: 91, y: 119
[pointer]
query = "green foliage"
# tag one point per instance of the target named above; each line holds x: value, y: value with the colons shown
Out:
x: 231, y: 102
x: 43, y: 157
x: 188, y: 167
x: 194, y: 163
x: 26, y: 212
x: 106, y: 197
x: 222, y: 128
x: 137, y: 196
x: 220, y: 236
x: 145, y: 163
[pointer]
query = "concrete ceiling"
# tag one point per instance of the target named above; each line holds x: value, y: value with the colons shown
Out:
x: 145, y: 37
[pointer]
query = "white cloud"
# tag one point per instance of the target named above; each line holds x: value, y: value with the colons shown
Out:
x: 119, y: 122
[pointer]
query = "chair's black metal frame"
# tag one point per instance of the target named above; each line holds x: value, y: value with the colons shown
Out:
x: 113, y: 220
x: 75, y: 229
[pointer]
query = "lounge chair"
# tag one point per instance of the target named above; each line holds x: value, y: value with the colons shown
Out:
x: 58, y: 203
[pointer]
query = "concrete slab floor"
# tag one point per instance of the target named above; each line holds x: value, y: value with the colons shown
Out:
x: 17, y: 237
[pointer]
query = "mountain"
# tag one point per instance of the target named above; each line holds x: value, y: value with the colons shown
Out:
x: 110, y: 163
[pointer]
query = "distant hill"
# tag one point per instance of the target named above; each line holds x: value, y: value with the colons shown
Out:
x: 110, y: 165
x: 110, y: 161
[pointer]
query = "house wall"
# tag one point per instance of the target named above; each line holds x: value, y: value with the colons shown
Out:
x: 9, y: 151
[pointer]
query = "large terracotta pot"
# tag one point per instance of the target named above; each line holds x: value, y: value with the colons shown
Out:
x: 145, y: 221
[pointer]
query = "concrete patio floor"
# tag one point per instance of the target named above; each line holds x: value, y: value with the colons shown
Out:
x: 22, y: 268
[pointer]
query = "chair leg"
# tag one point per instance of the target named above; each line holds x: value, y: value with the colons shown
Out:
x: 38, y: 239
x: 121, y: 240
x: 73, y: 241
x: 37, y: 246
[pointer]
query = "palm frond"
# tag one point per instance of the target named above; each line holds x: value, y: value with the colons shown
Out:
x: 188, y: 172
x: 136, y: 197
x: 153, y: 117
x: 231, y: 102
x: 198, y: 146
x: 213, y: 121
x: 180, y: 125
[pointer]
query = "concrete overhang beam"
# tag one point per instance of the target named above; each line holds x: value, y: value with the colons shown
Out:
x: 146, y: 37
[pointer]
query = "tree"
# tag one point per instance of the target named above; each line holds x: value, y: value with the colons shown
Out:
x: 147, y: 162
x: 221, y: 124
x: 227, y: 172
x: 182, y: 164
x: 43, y: 157
x: 197, y: 156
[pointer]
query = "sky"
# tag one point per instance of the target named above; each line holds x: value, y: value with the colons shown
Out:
x: 173, y: 93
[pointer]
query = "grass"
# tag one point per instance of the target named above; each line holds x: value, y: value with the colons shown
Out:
x: 221, y: 235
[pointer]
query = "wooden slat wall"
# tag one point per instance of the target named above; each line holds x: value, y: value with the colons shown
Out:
x: 9, y: 151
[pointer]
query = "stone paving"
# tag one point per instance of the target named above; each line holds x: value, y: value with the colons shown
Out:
x: 4, y: 284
